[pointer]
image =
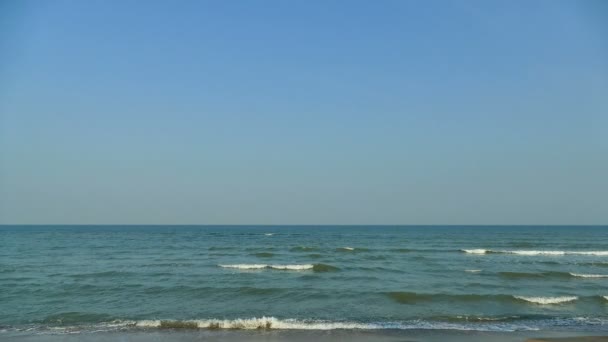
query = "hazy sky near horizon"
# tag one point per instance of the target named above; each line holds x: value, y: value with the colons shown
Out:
x: 304, y: 112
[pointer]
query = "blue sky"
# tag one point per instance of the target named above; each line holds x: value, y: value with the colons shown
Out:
x: 304, y: 112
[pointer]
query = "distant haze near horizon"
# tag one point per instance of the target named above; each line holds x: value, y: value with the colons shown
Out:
x: 310, y: 112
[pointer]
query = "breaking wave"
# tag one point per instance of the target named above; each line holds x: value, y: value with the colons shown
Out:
x: 415, y: 298
x: 272, y: 323
x: 532, y: 275
x: 475, y: 251
x: 589, y: 275
x: 547, y: 300
x: 264, y: 255
x: 533, y: 252
x: 304, y: 267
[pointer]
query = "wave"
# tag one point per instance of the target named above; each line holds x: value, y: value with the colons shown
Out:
x: 264, y: 255
x: 303, y: 249
x: 315, y: 255
x: 102, y: 274
x: 461, y: 318
x: 313, y: 267
x: 402, y: 250
x: 415, y: 298
x: 532, y: 275
x: 375, y: 257
x: 292, y: 267
x: 475, y: 251
x: 351, y: 249
x: 547, y: 300
x: 245, y: 266
x: 272, y: 323
x: 75, y: 317
x: 70, y: 323
x: 472, y: 271
x: 593, y: 264
x: 589, y: 275
x: 262, y: 323
x: 533, y: 252
x: 221, y: 248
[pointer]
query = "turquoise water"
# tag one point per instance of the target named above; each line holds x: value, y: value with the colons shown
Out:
x: 61, y: 279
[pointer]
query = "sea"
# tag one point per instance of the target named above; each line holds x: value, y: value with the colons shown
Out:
x: 89, y: 279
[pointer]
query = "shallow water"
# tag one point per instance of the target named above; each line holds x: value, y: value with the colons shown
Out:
x: 61, y: 279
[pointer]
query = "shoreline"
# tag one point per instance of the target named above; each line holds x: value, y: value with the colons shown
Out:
x: 319, y: 336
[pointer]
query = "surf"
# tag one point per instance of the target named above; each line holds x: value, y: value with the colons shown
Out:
x: 534, y: 252
x: 547, y: 300
x: 302, y: 267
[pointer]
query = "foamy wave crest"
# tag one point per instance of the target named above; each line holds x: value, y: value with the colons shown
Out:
x: 589, y: 275
x: 547, y: 300
x: 534, y: 252
x: 292, y: 267
x: 304, y: 267
x: 265, y: 323
x: 605, y: 297
x: 245, y: 266
x: 254, y: 324
x: 347, y: 248
x: 472, y: 271
x: 276, y: 267
x: 475, y: 251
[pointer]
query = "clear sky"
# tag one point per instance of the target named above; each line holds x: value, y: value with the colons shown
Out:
x: 304, y: 112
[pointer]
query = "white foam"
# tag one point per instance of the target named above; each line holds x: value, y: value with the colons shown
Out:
x: 263, y: 266
x: 473, y: 271
x: 245, y: 266
x: 348, y: 248
x: 264, y: 322
x: 148, y: 323
x: 547, y: 300
x: 589, y: 275
x: 292, y: 267
x: 269, y: 234
x: 535, y: 252
x: 293, y: 324
x: 605, y: 297
x: 600, y: 253
x: 475, y: 251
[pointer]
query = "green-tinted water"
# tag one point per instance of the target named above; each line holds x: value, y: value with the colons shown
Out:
x: 58, y: 279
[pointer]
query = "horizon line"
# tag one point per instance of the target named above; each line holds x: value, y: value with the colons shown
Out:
x: 301, y: 225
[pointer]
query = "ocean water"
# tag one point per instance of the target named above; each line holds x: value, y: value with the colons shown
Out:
x: 87, y: 279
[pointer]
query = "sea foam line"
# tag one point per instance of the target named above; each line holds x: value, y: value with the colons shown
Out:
x: 533, y: 252
x: 264, y: 323
x: 263, y: 266
x: 547, y: 300
x: 255, y: 323
x: 589, y: 275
